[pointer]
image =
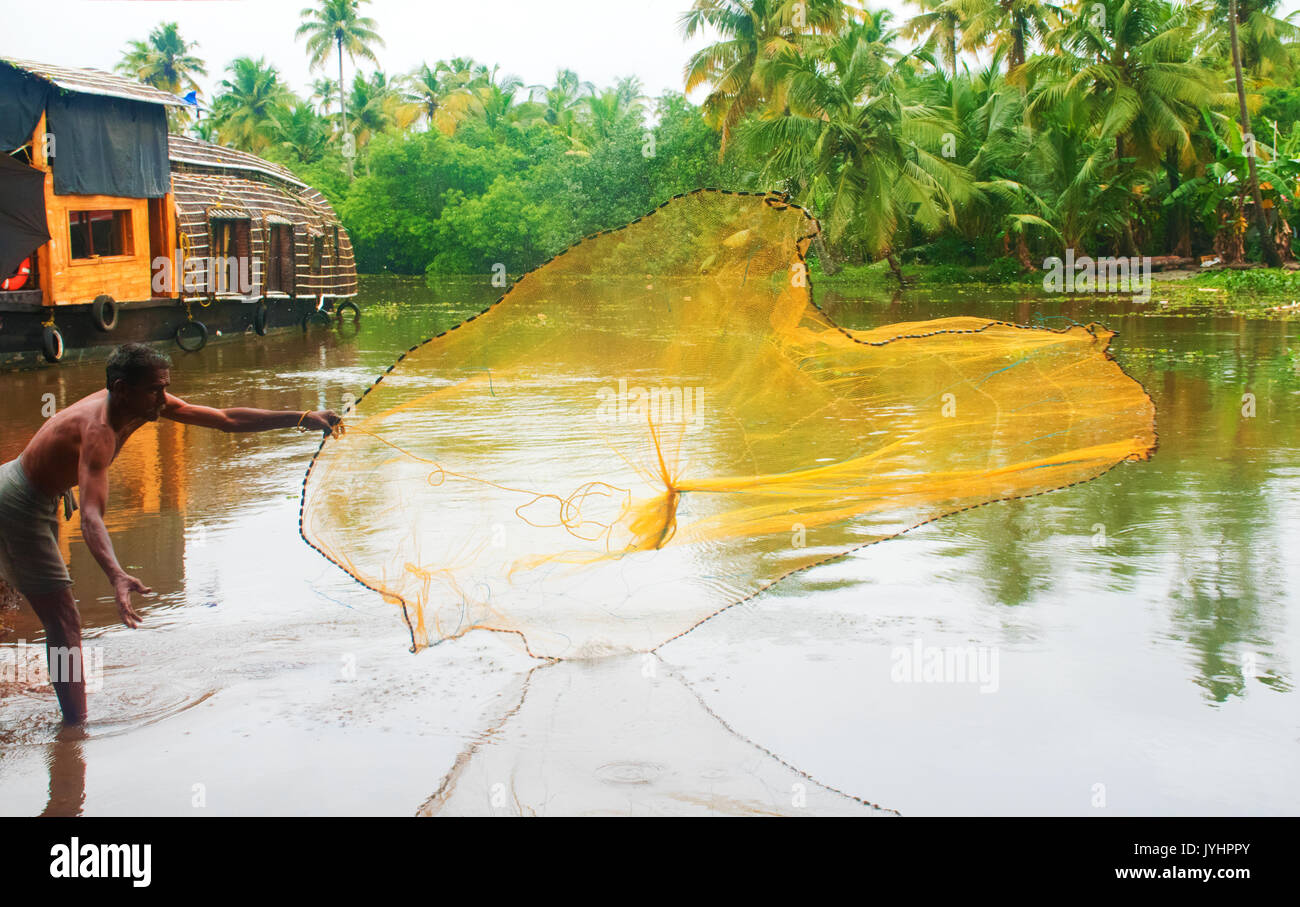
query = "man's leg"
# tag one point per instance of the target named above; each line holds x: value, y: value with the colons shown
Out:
x: 58, y: 612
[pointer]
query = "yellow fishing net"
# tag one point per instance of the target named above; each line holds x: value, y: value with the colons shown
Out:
x: 658, y: 423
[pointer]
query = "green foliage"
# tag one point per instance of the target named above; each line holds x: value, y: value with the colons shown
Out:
x: 1003, y: 270
x: 1281, y: 106
x: 392, y: 213
x: 876, y: 274
x: 503, y: 226
x: 948, y: 274
x: 442, y: 204
x: 1255, y: 280
x: 947, y: 249
x: 686, y: 151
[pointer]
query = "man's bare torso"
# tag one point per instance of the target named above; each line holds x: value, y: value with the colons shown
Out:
x: 52, y: 457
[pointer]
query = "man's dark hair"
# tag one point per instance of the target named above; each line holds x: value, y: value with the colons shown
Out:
x: 133, y: 362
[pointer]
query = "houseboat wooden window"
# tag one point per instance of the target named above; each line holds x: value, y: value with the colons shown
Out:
x: 317, y: 253
x: 280, y: 259
x: 337, y: 251
x: 230, y: 239
x: 95, y: 234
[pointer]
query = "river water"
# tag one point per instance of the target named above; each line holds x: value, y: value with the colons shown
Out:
x: 1138, y: 634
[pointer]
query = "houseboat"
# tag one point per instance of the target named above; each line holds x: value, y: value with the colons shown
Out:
x: 112, y: 230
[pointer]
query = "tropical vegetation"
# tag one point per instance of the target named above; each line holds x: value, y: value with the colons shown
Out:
x: 973, y: 131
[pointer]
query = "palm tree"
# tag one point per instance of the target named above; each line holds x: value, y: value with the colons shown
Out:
x: 562, y: 102
x: 1006, y: 25
x: 323, y: 93
x: 1132, y: 70
x: 335, y: 26
x: 753, y: 33
x: 940, y: 22
x: 378, y: 106
x: 461, y: 72
x: 496, y: 102
x: 1266, y: 40
x: 631, y: 92
x: 991, y: 140
x: 1079, y: 175
x: 1263, y: 217
x: 165, y: 62
x: 300, y: 131
x: 251, y: 98
x: 442, y: 96
x: 855, y: 147
x: 205, y: 130
x: 614, y: 108
x: 1129, y: 72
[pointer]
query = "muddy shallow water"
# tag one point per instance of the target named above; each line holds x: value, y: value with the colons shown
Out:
x: 1138, y: 634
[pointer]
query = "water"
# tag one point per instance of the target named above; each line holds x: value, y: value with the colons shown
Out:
x: 1143, y: 626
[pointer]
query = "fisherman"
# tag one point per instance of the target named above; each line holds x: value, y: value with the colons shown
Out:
x: 74, y: 448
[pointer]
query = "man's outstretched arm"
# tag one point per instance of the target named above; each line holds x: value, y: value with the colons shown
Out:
x: 97, y: 448
x: 240, y: 418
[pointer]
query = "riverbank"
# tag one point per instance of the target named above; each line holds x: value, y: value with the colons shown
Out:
x: 1258, y: 292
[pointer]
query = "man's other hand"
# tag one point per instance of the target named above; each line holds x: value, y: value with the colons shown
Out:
x: 122, y: 590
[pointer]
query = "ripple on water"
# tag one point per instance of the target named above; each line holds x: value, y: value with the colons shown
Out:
x: 32, y: 719
x: 629, y: 772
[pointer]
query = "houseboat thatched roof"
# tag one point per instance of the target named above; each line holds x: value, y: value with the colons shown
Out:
x: 208, y: 156
x: 95, y: 81
x: 212, y: 182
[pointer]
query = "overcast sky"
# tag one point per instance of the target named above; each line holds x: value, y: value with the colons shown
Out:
x: 601, y: 39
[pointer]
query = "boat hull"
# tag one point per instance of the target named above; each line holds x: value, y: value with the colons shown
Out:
x: 146, y: 321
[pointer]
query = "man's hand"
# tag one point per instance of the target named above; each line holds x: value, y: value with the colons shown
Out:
x: 325, y: 420
x: 122, y: 590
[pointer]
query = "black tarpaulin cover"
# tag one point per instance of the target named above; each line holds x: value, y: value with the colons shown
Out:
x: 22, y: 100
x: 108, y: 146
x: 22, y: 213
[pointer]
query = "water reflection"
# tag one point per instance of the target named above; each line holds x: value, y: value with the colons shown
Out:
x: 656, y: 750
x: 1212, y: 513
x: 67, y: 765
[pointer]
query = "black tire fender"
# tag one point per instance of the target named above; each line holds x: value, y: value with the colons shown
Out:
x: 104, y: 311
x: 52, y: 343
x: 201, y: 330
x: 348, y: 305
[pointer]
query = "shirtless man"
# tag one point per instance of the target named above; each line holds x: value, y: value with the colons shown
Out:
x: 75, y: 448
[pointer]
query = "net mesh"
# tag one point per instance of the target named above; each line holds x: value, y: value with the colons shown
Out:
x: 659, y: 423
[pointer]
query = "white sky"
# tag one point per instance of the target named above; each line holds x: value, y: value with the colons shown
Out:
x: 601, y: 39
